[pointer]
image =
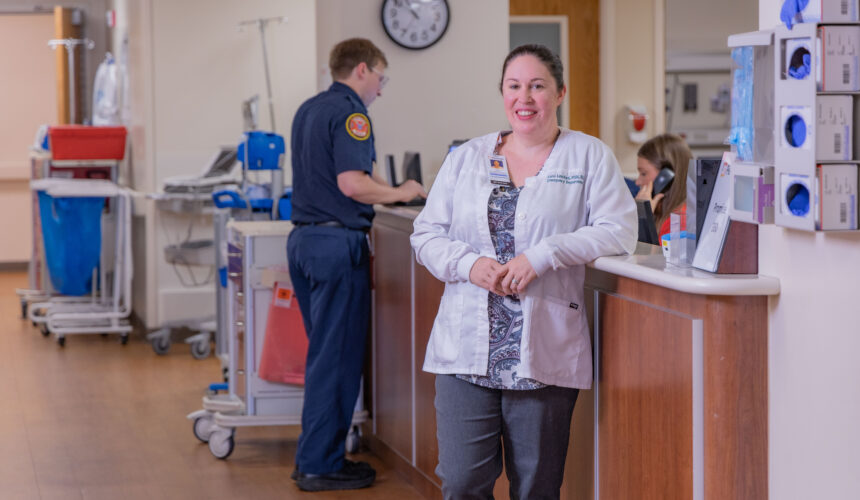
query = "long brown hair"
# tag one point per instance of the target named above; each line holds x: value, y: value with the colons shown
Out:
x: 669, y: 150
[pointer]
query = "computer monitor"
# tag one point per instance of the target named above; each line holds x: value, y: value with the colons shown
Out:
x: 389, y: 168
x: 412, y: 166
x: 647, y: 225
x: 455, y: 143
x: 706, y: 169
x: 222, y: 163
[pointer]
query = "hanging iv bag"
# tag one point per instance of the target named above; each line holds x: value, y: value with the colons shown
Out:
x: 106, y: 93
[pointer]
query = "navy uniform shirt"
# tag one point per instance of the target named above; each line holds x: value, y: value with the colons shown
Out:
x: 331, y: 135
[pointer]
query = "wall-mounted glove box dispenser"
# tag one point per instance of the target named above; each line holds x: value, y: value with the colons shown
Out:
x: 836, y: 197
x: 822, y: 11
x: 827, y: 54
x: 816, y: 113
x: 752, y: 195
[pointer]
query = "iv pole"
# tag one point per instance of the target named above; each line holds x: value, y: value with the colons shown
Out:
x: 262, y: 23
x: 70, y: 44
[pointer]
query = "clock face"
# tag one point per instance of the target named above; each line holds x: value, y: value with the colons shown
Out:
x: 415, y: 24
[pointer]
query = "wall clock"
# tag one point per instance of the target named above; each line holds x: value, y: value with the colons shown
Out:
x: 415, y: 24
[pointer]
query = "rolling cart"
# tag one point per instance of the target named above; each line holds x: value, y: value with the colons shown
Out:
x: 256, y: 249
x: 94, y: 279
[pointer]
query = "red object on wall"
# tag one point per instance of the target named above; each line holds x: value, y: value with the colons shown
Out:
x: 81, y: 142
x: 285, y: 348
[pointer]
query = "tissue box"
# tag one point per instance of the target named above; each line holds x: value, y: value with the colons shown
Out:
x: 836, y: 197
x: 833, y: 136
x: 837, y: 58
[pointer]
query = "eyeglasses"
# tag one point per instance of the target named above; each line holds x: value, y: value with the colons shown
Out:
x: 383, y: 80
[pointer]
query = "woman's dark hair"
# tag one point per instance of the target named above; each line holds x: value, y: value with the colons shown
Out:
x: 544, y: 55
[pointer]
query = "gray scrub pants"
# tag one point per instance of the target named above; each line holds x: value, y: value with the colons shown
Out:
x: 473, y: 421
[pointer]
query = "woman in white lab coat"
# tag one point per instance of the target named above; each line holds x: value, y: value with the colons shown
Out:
x: 509, y: 225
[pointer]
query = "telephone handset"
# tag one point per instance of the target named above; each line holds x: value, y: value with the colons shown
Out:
x: 663, y: 181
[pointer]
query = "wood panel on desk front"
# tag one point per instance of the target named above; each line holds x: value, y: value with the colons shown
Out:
x: 428, y: 294
x: 392, y: 348
x: 645, y: 399
x: 735, y: 376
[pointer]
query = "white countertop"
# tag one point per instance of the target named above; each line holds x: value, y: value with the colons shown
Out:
x: 648, y: 264
x: 261, y: 227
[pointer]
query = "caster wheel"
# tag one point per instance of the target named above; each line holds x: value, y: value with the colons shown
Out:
x: 200, y: 350
x: 124, y: 339
x: 203, y: 429
x: 61, y: 341
x: 161, y: 345
x: 353, y: 440
x: 44, y: 329
x: 221, y: 443
x: 23, y: 310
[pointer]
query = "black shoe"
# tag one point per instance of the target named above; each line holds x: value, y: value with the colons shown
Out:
x: 354, y: 475
x: 295, y: 475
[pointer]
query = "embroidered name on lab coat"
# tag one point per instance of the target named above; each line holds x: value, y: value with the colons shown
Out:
x: 566, y: 179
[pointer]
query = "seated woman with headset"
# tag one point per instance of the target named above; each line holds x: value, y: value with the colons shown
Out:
x: 663, y: 152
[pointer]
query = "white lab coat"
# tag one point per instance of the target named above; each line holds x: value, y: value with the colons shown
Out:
x: 577, y: 208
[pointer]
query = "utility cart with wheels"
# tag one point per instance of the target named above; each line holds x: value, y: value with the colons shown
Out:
x: 256, y: 257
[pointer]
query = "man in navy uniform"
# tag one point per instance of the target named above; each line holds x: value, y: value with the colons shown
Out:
x: 334, y: 189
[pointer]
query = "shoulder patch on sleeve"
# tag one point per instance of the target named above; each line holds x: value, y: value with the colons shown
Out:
x: 358, y: 126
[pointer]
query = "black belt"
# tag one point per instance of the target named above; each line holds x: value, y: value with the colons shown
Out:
x: 330, y: 223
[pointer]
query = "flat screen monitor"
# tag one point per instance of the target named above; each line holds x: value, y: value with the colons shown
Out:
x: 412, y: 166
x: 647, y: 225
x: 389, y: 168
x: 707, y: 169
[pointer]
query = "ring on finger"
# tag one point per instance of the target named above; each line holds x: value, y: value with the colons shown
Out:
x: 514, y: 281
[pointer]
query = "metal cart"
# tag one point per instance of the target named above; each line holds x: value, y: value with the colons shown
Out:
x: 107, y: 308
x: 255, y: 247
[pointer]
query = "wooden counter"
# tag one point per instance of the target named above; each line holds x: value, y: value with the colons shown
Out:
x: 679, y: 405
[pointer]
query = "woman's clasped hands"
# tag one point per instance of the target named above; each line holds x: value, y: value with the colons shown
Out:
x: 502, y: 279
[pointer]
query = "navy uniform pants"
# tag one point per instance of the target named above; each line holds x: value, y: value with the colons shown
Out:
x: 330, y: 271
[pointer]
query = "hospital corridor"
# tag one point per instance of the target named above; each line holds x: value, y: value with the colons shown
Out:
x: 97, y: 420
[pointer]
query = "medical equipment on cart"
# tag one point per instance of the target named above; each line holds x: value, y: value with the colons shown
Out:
x: 191, y: 196
x: 256, y: 253
x: 67, y: 209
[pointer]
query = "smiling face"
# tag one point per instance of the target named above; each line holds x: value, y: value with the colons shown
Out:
x: 531, y: 96
x: 647, y: 171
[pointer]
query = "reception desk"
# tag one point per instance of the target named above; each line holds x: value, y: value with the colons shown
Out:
x: 679, y: 404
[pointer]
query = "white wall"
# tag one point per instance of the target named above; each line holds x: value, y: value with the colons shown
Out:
x: 631, y: 73
x: 449, y: 91
x: 814, y: 348
x: 27, y: 101
x: 190, y: 68
x: 702, y: 26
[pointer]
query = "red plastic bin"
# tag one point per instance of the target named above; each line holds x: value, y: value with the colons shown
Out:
x: 81, y: 142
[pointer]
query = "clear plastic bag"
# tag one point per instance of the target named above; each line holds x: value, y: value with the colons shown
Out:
x: 106, y: 93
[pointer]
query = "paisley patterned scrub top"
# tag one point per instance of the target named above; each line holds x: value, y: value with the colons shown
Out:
x: 506, y: 314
